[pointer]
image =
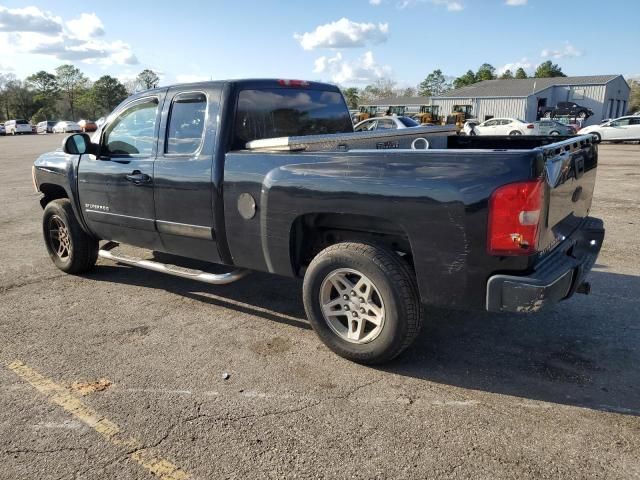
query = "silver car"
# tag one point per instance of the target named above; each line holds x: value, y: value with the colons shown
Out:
x: 385, y: 123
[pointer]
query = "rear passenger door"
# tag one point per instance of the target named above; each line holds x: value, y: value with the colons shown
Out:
x: 184, y: 196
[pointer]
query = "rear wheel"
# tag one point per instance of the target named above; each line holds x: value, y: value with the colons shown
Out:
x: 70, y: 248
x: 515, y: 132
x: 554, y: 133
x: 362, y: 301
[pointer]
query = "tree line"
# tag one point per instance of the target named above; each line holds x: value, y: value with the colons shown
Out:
x: 436, y: 83
x: 67, y: 94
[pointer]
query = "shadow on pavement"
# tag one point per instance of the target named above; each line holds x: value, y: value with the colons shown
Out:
x: 583, y: 352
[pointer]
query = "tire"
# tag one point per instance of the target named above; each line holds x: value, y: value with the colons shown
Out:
x: 554, y: 133
x: 546, y: 115
x: 77, y: 252
x: 389, y: 301
x: 597, y: 135
x: 515, y: 133
x: 582, y: 114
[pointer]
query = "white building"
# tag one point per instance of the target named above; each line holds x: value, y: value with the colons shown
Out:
x: 606, y: 95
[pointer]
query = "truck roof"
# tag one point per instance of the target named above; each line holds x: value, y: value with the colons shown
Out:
x: 252, y: 83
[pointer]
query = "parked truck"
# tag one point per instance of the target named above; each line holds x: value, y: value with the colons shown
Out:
x: 267, y: 175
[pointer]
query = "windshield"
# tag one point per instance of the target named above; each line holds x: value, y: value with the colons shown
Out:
x: 408, y: 122
x: 284, y: 112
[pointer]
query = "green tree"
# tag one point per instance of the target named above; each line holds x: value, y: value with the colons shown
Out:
x: 507, y: 74
x: 148, y: 79
x: 72, y: 83
x: 433, y: 85
x: 19, y: 100
x: 548, y: 69
x: 109, y: 92
x: 47, y: 92
x: 486, y: 72
x: 468, y: 78
x: 520, y: 73
x: 351, y: 96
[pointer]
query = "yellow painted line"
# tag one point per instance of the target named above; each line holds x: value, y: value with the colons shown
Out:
x: 149, y: 458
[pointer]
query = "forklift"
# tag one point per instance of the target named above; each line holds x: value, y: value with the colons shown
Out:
x: 428, y: 114
x: 459, y: 115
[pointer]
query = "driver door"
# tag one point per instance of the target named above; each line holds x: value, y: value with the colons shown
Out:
x: 116, y: 186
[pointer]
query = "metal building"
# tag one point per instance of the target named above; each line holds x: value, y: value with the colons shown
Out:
x: 606, y: 95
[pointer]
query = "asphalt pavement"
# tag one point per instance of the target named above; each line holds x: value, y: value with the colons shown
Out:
x: 125, y: 373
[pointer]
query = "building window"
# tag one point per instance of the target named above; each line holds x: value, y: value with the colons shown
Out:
x: 577, y: 93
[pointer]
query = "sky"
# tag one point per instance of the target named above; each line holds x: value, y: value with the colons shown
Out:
x: 350, y: 42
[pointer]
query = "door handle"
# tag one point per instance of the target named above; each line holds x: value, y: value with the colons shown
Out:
x: 138, y: 178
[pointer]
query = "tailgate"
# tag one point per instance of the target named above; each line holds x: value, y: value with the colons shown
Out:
x: 570, y: 171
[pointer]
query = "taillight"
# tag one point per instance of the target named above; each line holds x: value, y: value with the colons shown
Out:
x: 293, y: 83
x: 531, y: 125
x: 514, y: 216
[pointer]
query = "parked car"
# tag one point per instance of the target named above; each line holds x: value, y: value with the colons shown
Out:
x: 45, y: 127
x: 66, y: 126
x: 620, y: 129
x: 17, y: 127
x: 553, y: 127
x: 499, y: 126
x: 385, y: 123
x: 566, y: 108
x: 2, y: 129
x: 496, y: 223
x: 87, y: 126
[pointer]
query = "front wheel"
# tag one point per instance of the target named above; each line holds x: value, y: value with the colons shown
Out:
x: 70, y: 248
x: 362, y: 301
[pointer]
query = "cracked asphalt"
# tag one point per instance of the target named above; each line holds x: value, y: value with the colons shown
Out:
x: 552, y: 395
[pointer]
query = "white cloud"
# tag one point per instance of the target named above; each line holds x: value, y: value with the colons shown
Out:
x: 567, y: 51
x: 359, y: 71
x: 87, y: 26
x: 343, y: 34
x: 524, y: 63
x: 375, y: 2
x: 33, y: 31
x: 451, y: 5
x: 191, y: 78
x: 29, y: 19
x: 516, y: 3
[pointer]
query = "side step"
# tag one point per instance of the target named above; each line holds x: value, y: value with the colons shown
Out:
x: 199, y: 275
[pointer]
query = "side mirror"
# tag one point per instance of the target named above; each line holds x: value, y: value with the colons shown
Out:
x: 77, y: 144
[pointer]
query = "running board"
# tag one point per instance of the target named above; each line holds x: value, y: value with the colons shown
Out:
x: 199, y: 275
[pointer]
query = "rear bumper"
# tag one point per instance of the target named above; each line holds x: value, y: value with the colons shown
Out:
x: 556, y: 277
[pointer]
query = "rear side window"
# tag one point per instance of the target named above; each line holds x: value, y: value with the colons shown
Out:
x: 408, y: 122
x: 186, y: 123
x: 285, y: 112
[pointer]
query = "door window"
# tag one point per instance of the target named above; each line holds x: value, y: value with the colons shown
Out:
x: 186, y: 123
x: 367, y: 126
x: 634, y: 121
x: 623, y: 122
x: 132, y: 133
x: 386, y: 125
x: 490, y: 123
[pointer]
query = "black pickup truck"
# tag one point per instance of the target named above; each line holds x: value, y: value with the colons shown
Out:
x: 268, y: 175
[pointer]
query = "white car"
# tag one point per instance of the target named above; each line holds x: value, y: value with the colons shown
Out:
x: 66, y: 127
x: 500, y: 126
x: 15, y: 127
x: 619, y: 129
x: 385, y: 123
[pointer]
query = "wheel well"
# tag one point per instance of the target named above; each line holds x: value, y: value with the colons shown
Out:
x: 313, y: 232
x: 51, y: 192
